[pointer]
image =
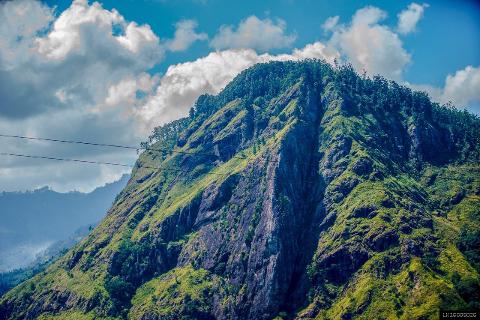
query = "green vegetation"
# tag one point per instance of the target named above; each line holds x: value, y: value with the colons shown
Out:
x: 182, y: 293
x: 301, y: 190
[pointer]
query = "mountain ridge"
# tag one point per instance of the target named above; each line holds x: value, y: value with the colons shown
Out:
x: 301, y: 191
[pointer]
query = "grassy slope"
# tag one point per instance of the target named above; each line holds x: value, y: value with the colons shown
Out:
x: 429, y: 280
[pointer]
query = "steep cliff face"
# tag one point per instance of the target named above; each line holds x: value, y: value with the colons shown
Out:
x: 300, y: 191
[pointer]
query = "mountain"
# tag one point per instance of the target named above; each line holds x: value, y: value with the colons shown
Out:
x: 301, y: 191
x: 33, y: 221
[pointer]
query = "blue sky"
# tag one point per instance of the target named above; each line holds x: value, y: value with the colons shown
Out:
x: 110, y: 71
x: 447, y: 37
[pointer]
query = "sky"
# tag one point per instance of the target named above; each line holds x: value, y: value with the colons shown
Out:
x: 110, y: 71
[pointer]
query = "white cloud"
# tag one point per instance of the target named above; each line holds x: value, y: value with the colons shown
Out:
x: 330, y: 23
x: 254, y: 33
x: 463, y: 88
x: 77, y: 76
x: 124, y: 93
x: 185, y: 35
x: 73, y: 62
x: 371, y: 46
x: 19, y: 22
x: 83, y: 25
x: 408, y: 18
x: 67, y: 33
x: 138, y: 38
x: 316, y: 50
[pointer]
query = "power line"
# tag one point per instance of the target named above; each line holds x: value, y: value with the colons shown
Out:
x: 69, y: 141
x: 66, y: 159
x: 97, y: 144
x: 95, y: 162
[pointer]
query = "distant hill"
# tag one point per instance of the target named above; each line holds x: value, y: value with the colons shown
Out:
x: 301, y: 191
x: 42, y: 260
x: 33, y: 221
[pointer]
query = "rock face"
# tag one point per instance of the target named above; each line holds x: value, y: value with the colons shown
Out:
x: 300, y: 191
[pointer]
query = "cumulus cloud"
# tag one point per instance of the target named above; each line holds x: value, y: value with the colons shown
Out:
x: 80, y: 45
x: 71, y: 63
x: 185, y: 35
x: 85, y: 29
x: 254, y: 33
x: 20, y: 21
x: 75, y: 76
x: 408, y: 18
x: 126, y: 92
x: 463, y: 87
x: 371, y: 46
x: 316, y: 50
x: 330, y: 23
x: 183, y: 83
